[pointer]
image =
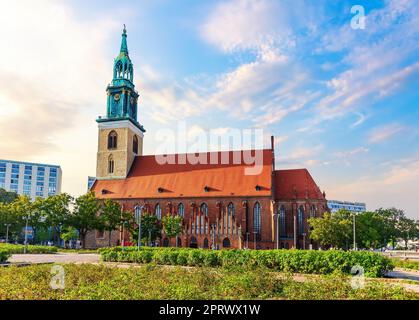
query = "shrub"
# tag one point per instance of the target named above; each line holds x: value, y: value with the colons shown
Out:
x: 18, y: 249
x: 4, y: 255
x: 300, y: 261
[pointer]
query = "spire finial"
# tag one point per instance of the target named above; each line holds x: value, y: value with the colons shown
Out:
x: 124, y: 46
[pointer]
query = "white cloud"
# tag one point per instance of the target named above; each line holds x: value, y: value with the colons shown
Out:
x: 387, y: 189
x: 384, y: 133
x: 52, y: 77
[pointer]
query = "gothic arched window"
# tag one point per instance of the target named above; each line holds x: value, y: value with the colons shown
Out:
x: 135, y: 144
x: 230, y: 215
x: 157, y: 211
x: 313, y: 211
x: 181, y: 210
x: 257, y: 226
x: 111, y: 164
x: 300, y: 220
x: 112, y: 140
x: 204, y: 209
x: 282, y: 222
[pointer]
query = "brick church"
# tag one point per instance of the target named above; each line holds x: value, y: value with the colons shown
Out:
x: 221, y: 205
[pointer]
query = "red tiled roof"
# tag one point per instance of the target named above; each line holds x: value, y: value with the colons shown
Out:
x: 187, y: 180
x: 295, y: 184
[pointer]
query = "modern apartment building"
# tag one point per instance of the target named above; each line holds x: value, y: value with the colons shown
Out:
x: 30, y: 179
x: 336, y: 205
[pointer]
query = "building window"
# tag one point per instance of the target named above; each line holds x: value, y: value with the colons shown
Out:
x: 257, y: 227
x: 112, y: 140
x: 165, y: 242
x: 111, y: 165
x: 230, y: 215
x: 135, y: 144
x: 204, y: 209
x: 300, y: 220
x: 100, y: 234
x: 282, y: 222
x: 313, y: 211
x: 206, y: 243
x: 157, y: 211
x: 181, y: 210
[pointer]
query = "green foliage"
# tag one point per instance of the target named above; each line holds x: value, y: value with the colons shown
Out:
x: 4, y: 255
x: 69, y: 233
x: 99, y: 282
x: 18, y: 249
x: 296, y: 261
x: 373, y: 229
x: 406, y: 264
x: 7, y: 196
x: 85, y: 215
x: 151, y: 228
x: 172, y: 225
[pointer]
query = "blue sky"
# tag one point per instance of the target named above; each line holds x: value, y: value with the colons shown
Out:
x: 342, y: 102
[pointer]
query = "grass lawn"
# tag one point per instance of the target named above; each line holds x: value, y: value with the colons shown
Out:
x: 407, y: 264
x: 156, y: 282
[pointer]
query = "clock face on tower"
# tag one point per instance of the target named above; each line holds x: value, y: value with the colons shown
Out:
x: 117, y: 97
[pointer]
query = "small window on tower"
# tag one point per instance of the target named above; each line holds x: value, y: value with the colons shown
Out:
x: 112, y: 140
x: 111, y: 165
x: 135, y: 144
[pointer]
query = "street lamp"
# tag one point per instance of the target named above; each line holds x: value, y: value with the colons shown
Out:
x: 277, y: 230
x: 7, y: 225
x: 353, y: 215
x: 138, y: 211
x: 26, y: 235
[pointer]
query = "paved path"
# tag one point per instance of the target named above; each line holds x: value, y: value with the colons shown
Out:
x: 404, y: 274
x: 55, y: 258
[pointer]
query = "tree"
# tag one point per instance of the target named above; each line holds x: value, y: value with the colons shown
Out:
x: 390, y: 218
x: 69, y: 233
x: 407, y: 229
x: 172, y: 225
x: 85, y: 216
x: 56, y: 210
x: 23, y: 210
x: 332, y: 229
x: 150, y: 228
x: 7, y: 196
x: 112, y: 216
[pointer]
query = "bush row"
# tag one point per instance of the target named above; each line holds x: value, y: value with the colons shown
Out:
x: 295, y: 261
x: 18, y: 248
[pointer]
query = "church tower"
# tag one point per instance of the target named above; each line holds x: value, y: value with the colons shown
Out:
x: 120, y: 133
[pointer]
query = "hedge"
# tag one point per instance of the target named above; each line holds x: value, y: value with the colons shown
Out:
x: 4, y: 255
x: 294, y: 261
x: 18, y: 248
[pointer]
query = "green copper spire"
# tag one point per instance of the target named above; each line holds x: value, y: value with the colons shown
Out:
x: 124, y: 45
x: 122, y: 96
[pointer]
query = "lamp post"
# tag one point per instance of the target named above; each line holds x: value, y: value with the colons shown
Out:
x: 138, y: 212
x: 354, y: 225
x: 7, y: 225
x: 277, y: 230
x: 26, y: 235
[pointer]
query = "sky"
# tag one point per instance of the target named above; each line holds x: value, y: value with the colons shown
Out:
x: 340, y: 101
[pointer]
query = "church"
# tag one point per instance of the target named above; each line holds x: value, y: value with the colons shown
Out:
x: 221, y: 206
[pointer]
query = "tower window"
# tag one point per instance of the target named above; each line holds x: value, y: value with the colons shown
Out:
x: 112, y: 140
x: 135, y: 144
x: 111, y: 164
